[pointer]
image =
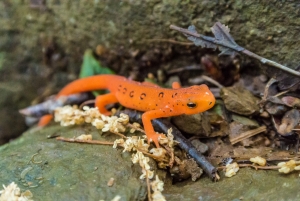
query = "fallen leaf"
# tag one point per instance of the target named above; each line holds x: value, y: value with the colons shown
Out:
x: 239, y: 100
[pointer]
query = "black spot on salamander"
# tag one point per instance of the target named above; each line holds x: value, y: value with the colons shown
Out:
x: 156, y: 105
x: 142, y: 96
x: 161, y: 94
x: 124, y: 90
x: 171, y: 110
x: 173, y: 95
x: 131, y: 94
x: 120, y: 86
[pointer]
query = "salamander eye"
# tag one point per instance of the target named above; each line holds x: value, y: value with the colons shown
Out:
x: 191, y: 105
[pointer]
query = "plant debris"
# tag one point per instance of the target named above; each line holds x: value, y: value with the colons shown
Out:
x: 288, y: 122
x: 13, y: 193
x: 163, y: 125
x: 270, y: 108
x: 231, y: 169
x: 259, y: 160
x: 68, y: 115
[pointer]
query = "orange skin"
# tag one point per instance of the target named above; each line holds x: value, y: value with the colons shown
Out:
x: 157, y: 102
x: 44, y: 120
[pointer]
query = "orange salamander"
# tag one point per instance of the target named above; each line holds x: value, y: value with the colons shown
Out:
x: 157, y: 102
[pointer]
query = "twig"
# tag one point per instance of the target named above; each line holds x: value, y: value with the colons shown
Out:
x: 226, y: 44
x: 134, y: 127
x: 84, y: 141
x: 171, y: 154
x: 178, y: 70
x: 208, y: 39
x: 169, y: 41
x: 74, y: 140
x: 282, y: 93
x: 148, y: 187
x: 87, y: 102
x: 162, y: 125
x: 271, y: 63
x: 248, y: 134
x: 214, y: 82
x: 255, y: 167
x: 118, y: 134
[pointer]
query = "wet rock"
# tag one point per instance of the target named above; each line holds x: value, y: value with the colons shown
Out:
x: 203, y: 148
x: 11, y: 97
x: 264, y: 184
x: 70, y: 171
x: 197, y: 124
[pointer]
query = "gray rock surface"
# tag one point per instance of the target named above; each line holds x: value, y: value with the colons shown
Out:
x: 72, y: 171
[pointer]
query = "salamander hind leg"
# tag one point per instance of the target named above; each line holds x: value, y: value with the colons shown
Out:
x: 103, y: 100
x: 45, y: 120
x: 151, y: 134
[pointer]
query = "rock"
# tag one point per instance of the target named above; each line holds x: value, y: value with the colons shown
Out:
x: 11, y: 97
x: 197, y: 124
x: 264, y: 184
x: 201, y: 147
x: 70, y: 171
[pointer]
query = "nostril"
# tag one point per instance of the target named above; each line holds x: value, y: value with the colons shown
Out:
x: 210, y: 103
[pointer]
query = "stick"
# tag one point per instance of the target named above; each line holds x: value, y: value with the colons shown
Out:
x: 248, y: 134
x: 236, y: 48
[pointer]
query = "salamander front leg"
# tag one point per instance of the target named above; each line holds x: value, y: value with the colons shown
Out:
x: 146, y: 118
x: 103, y: 100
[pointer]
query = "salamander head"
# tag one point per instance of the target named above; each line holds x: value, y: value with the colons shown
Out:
x: 196, y: 99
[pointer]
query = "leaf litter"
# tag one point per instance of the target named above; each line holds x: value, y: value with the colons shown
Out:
x: 273, y: 104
